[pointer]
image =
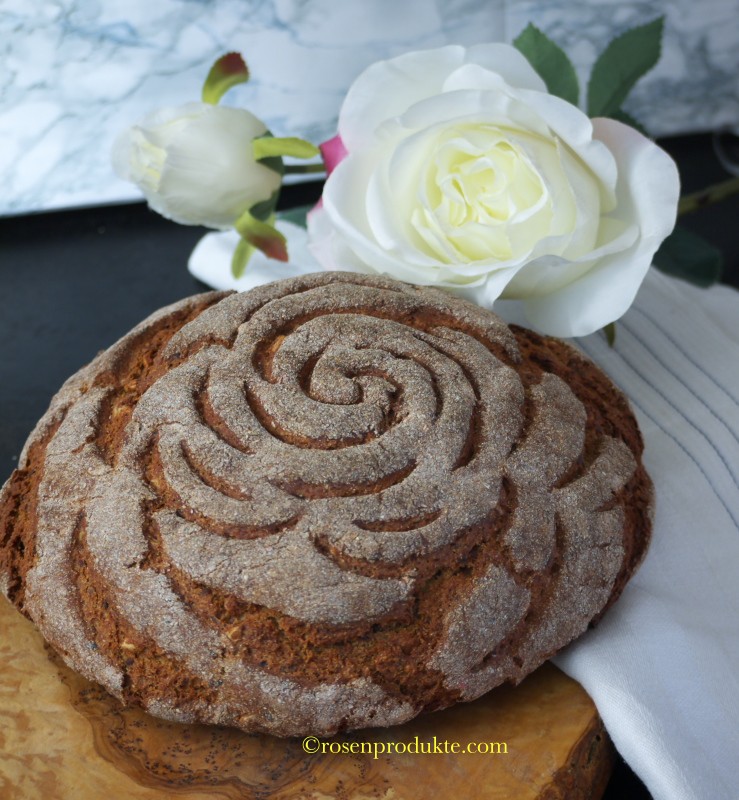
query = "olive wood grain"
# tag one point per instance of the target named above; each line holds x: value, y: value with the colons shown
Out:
x: 64, y: 738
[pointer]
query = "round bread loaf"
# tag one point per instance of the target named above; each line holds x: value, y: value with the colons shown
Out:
x: 331, y: 502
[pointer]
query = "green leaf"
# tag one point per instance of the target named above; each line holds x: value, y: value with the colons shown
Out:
x: 230, y: 70
x: 262, y: 235
x: 266, y: 146
x: 240, y: 258
x: 609, y: 331
x: 620, y: 66
x: 550, y: 61
x: 684, y: 254
x: 298, y: 216
x: 627, y: 119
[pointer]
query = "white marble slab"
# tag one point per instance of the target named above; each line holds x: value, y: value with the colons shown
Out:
x: 78, y: 71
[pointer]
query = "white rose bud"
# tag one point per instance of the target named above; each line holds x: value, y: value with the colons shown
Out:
x: 195, y: 164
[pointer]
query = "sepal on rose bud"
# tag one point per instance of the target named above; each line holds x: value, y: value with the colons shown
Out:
x: 229, y: 71
x: 270, y: 146
x: 262, y: 236
x: 240, y: 258
x: 333, y: 152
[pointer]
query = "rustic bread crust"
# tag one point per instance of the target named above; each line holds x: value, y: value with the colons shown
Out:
x: 331, y: 502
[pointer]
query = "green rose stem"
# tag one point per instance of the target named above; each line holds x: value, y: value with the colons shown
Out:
x: 708, y: 196
x: 609, y: 331
x: 303, y: 169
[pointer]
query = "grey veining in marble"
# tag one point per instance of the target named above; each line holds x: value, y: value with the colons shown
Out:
x: 75, y: 72
x: 695, y: 85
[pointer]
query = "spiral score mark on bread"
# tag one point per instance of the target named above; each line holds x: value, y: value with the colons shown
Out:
x: 330, y: 502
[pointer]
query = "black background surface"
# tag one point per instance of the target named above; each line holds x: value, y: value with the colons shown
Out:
x: 73, y: 282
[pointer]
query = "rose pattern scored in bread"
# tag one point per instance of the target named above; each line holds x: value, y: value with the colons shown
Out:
x: 327, y: 503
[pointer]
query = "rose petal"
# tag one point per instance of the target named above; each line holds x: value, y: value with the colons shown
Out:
x: 333, y: 152
x: 346, y: 212
x: 487, y: 66
x: 649, y: 187
x: 508, y: 62
x: 576, y: 130
x: 388, y: 88
x: 467, y: 106
x: 544, y: 275
x: 328, y: 248
x: 212, y: 154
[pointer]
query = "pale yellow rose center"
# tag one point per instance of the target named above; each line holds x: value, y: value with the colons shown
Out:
x: 480, y: 197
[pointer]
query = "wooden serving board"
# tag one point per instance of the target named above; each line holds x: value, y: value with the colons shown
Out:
x: 64, y: 738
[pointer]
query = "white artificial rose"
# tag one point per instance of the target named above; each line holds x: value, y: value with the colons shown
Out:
x: 194, y: 163
x: 460, y: 170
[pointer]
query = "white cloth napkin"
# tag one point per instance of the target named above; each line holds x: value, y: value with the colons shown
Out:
x: 662, y: 665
